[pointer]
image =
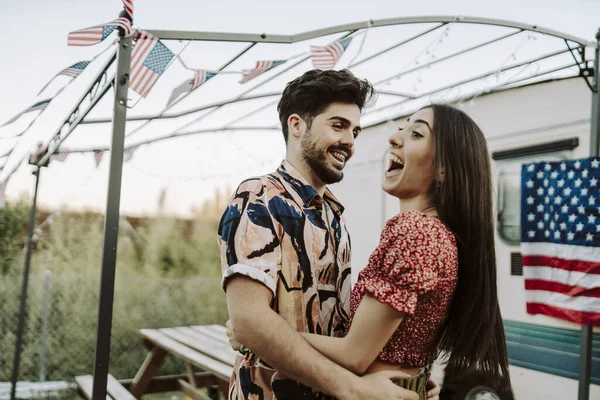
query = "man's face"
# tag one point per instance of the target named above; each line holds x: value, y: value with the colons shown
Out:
x: 329, y: 143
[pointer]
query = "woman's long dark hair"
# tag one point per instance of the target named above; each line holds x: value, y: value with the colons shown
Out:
x: 472, y: 335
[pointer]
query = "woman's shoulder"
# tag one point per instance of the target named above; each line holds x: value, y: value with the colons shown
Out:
x: 416, y: 225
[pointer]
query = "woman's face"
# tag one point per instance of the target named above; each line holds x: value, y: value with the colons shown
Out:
x: 411, y: 171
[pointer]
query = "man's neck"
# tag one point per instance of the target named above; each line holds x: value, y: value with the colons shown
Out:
x: 308, y: 174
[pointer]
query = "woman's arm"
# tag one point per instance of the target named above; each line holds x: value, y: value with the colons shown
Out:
x: 373, y: 325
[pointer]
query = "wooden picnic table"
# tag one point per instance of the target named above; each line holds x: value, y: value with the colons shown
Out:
x: 204, y: 347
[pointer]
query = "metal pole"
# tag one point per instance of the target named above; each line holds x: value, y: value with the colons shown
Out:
x: 45, y: 317
x: 111, y: 222
x: 17, y: 359
x: 585, y: 345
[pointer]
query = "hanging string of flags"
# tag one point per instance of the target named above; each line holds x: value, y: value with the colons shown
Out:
x: 150, y: 59
x: 322, y: 57
x: 62, y: 153
x: 39, y: 106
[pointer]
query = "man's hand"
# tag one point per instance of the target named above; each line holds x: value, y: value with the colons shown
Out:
x: 235, y: 345
x: 433, y: 389
x: 379, y: 385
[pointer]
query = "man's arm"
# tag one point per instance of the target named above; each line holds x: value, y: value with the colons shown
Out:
x: 373, y: 325
x: 270, y: 337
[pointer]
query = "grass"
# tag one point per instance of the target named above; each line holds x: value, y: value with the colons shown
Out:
x: 168, y: 274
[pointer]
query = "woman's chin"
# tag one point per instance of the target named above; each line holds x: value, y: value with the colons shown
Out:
x: 389, y: 189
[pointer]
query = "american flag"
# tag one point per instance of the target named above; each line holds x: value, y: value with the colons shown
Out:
x: 149, y: 60
x: 200, y: 76
x: 325, y: 57
x: 40, y: 105
x: 260, y: 68
x: 128, y: 5
x: 73, y: 71
x: 128, y: 155
x: 560, y: 239
x: 96, y: 34
x: 60, y: 155
x: 98, y: 154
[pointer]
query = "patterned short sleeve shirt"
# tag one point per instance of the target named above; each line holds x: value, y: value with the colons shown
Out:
x: 277, y: 230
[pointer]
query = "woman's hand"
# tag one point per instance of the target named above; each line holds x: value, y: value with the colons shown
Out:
x: 235, y: 345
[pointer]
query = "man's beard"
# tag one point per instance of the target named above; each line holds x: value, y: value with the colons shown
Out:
x: 317, y: 160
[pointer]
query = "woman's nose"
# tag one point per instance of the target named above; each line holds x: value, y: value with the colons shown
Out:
x: 395, y: 140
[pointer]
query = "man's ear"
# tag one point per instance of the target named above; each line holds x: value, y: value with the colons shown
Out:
x: 296, y: 126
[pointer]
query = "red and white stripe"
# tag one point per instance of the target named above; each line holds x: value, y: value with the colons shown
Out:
x: 142, y: 78
x: 563, y: 281
x: 325, y: 57
x: 60, y: 156
x: 71, y: 72
x: 85, y: 37
x: 98, y: 156
x: 123, y: 23
x: 93, y: 35
x: 188, y: 85
x: 128, y: 5
x: 260, y: 68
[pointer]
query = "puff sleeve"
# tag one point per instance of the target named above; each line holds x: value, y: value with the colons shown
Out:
x: 408, y: 261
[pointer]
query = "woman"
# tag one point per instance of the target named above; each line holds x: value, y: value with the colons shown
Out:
x: 431, y: 282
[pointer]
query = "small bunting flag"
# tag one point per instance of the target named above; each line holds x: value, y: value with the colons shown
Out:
x: 95, y: 34
x: 200, y: 76
x: 60, y: 155
x: 149, y: 59
x: 39, y: 106
x: 98, y: 154
x: 325, y: 57
x: 127, y: 155
x: 260, y: 68
x: 73, y: 72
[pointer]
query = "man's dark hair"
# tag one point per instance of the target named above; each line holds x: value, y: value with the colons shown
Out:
x: 311, y: 94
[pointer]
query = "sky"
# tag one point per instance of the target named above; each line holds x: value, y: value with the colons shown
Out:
x: 189, y: 170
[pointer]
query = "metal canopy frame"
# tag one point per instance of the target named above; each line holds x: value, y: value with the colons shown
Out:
x: 120, y: 81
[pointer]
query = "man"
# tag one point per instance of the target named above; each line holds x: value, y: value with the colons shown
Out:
x: 285, y: 251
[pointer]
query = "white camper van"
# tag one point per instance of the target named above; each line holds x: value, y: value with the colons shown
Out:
x: 542, y: 121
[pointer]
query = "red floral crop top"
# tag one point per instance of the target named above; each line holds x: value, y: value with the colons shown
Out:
x: 414, y: 270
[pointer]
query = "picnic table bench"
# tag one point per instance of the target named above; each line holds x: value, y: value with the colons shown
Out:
x: 203, y: 347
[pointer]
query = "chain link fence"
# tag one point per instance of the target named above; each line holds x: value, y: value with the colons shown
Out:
x: 62, y: 310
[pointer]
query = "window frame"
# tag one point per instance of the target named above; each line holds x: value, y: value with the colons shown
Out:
x: 508, y: 163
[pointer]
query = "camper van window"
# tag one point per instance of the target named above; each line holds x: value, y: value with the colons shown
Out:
x: 509, y: 195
